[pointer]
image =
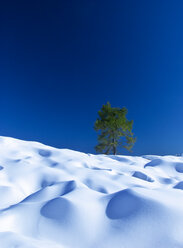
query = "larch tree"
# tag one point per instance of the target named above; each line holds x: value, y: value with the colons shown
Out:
x: 115, y: 130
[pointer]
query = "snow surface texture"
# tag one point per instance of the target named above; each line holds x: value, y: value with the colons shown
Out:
x: 58, y: 198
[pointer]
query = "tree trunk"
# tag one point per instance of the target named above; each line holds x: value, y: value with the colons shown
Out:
x: 114, y: 150
x: 114, y: 147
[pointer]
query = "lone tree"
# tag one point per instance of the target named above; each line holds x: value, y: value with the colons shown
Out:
x: 115, y: 130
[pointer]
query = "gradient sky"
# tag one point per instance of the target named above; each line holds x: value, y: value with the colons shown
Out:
x: 61, y: 60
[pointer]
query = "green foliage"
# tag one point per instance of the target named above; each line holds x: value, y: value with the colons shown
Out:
x: 115, y: 130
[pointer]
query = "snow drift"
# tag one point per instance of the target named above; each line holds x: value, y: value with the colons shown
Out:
x: 59, y: 198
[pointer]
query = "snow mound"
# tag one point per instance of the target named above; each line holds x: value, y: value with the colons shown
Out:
x: 59, y: 198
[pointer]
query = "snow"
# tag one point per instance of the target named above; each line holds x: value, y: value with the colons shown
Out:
x: 59, y: 198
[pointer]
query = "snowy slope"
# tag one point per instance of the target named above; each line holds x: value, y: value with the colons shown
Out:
x: 59, y: 198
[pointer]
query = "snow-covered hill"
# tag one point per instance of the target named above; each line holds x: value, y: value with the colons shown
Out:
x: 59, y: 198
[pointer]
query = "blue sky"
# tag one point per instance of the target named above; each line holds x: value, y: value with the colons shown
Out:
x: 61, y: 60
